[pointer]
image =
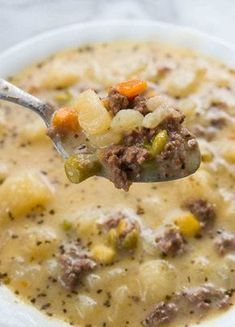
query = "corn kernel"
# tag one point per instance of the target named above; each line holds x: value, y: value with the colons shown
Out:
x: 112, y: 237
x: 122, y: 226
x: 188, y: 224
x: 103, y: 254
x: 229, y: 156
x: 207, y: 156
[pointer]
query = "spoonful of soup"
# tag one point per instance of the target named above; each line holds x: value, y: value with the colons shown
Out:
x: 131, y: 135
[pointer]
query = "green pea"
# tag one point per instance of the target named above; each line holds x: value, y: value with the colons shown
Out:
x: 80, y: 167
x: 159, y: 143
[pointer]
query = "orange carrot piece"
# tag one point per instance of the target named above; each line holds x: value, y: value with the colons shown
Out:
x: 65, y: 120
x: 131, y: 88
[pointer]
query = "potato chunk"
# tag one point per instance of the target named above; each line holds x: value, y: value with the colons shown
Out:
x: 92, y: 114
x: 182, y: 82
x: 20, y: 194
x: 34, y: 132
x: 158, y: 279
x: 126, y: 120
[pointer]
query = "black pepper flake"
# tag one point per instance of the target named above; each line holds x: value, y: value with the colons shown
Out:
x: 45, y: 306
x: 99, y: 291
x: 52, y: 212
x: 140, y: 210
x: 14, y: 236
x: 33, y: 300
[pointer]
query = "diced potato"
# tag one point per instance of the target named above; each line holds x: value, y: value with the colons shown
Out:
x: 103, y: 254
x: 155, y: 102
x: 109, y: 138
x: 40, y: 244
x: 126, y: 120
x: 158, y: 279
x: 188, y: 224
x: 21, y: 193
x: 92, y: 114
x: 153, y: 119
x: 85, y: 305
x: 187, y: 106
x: 182, y: 82
x: 34, y: 132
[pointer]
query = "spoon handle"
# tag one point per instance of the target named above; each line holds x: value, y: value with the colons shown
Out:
x: 11, y: 93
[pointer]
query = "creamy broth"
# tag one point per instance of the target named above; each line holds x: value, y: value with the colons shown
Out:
x: 41, y: 212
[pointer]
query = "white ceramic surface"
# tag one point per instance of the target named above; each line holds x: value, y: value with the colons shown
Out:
x: 13, y: 313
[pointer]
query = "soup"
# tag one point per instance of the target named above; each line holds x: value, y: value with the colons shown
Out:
x: 92, y: 255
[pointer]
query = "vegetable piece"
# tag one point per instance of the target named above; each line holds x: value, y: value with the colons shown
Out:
x: 131, y: 240
x: 66, y: 225
x: 63, y: 97
x: 65, y: 120
x: 21, y: 193
x: 159, y: 143
x: 113, y: 237
x: 106, y: 139
x: 156, y: 101
x: 131, y: 88
x: 126, y: 120
x: 92, y: 114
x: 153, y: 119
x: 80, y: 167
x: 103, y: 254
x: 188, y: 224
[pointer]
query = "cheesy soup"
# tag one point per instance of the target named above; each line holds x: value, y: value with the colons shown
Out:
x: 160, y: 254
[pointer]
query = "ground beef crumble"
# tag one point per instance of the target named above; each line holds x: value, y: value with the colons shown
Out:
x: 161, y: 313
x: 203, y: 210
x: 74, y: 264
x: 170, y: 242
x: 117, y: 101
x: 123, y: 164
x: 195, y: 300
x: 139, y: 104
x: 224, y: 242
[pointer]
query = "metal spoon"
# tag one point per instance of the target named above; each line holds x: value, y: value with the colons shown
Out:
x: 11, y: 93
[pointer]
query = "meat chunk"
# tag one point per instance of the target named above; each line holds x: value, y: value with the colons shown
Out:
x: 139, y: 136
x: 225, y: 242
x: 139, y: 104
x: 123, y: 164
x: 117, y: 101
x: 171, y: 242
x: 203, y: 210
x: 74, y: 264
x: 161, y: 313
x: 206, y: 297
x: 172, y: 160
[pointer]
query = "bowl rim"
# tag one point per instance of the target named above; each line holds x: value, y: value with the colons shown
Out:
x: 226, y: 51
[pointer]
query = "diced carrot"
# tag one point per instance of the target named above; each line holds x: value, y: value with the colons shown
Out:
x: 65, y: 120
x: 131, y: 88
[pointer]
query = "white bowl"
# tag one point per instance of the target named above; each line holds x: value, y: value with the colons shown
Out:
x: 14, y: 313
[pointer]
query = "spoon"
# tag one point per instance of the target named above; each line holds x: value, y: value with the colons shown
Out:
x: 11, y: 93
